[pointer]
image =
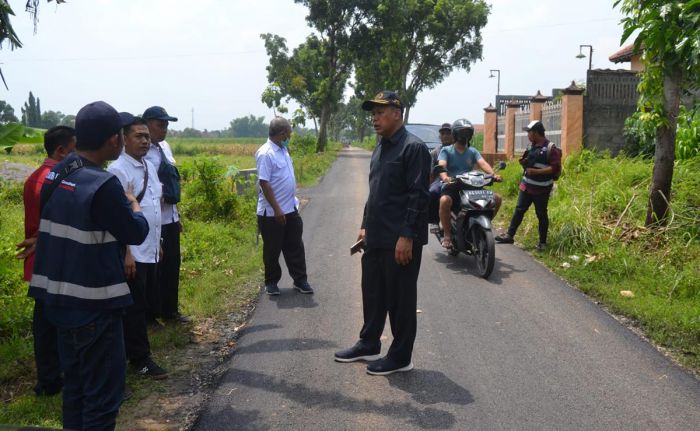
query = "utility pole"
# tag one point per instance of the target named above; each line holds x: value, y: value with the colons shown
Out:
x: 192, y: 118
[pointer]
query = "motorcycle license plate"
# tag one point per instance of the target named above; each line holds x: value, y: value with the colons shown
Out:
x: 479, y: 194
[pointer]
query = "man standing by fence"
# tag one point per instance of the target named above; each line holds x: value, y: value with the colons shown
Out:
x: 542, y: 164
x: 279, y: 221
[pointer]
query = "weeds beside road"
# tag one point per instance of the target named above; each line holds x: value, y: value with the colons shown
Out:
x: 220, y: 278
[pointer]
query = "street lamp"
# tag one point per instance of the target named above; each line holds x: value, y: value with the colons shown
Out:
x: 582, y: 55
x: 498, y: 86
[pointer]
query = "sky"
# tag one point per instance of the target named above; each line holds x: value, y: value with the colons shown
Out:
x: 205, y: 60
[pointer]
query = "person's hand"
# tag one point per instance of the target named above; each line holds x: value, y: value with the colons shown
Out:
x: 26, y: 248
x: 404, y: 250
x: 497, y: 178
x: 160, y: 253
x: 361, y: 235
x: 280, y: 218
x: 129, y: 192
x: 531, y: 171
x: 180, y: 226
x: 129, y: 266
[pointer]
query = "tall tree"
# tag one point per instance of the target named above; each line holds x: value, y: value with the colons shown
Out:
x: 325, y: 60
x: 669, y: 34
x: 414, y: 45
x: 249, y: 127
x: 31, y: 112
x: 50, y: 119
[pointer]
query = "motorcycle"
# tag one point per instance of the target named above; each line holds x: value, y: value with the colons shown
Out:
x: 472, y: 232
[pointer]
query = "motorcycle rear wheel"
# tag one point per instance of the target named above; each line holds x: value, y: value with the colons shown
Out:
x: 484, y: 251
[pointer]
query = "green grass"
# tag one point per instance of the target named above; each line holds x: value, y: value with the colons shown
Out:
x: 597, y: 211
x: 220, y: 274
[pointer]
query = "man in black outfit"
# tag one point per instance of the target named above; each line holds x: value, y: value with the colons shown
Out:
x: 394, y: 230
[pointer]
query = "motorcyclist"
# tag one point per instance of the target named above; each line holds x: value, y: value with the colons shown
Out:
x: 446, y: 139
x: 455, y: 160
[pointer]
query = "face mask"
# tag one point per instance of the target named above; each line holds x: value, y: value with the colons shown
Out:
x: 285, y: 143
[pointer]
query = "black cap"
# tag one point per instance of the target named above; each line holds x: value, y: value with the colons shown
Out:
x: 535, y: 126
x: 385, y: 98
x: 157, y: 113
x: 445, y: 126
x: 98, y: 121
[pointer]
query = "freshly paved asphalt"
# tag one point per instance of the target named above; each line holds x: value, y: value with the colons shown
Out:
x: 521, y: 351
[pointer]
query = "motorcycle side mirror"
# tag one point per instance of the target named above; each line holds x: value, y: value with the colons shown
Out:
x: 502, y: 165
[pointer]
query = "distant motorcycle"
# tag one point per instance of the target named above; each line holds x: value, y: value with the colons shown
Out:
x: 472, y: 232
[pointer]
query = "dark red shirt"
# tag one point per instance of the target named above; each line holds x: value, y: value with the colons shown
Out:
x: 32, y: 192
x: 554, y: 160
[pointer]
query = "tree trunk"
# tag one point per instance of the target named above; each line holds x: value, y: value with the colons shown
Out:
x: 665, y: 152
x: 323, y: 129
x: 406, y: 112
x: 315, y: 125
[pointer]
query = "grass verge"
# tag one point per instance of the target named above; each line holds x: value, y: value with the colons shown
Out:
x: 598, y: 242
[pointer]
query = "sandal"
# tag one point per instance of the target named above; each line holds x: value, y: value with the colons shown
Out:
x: 447, y: 243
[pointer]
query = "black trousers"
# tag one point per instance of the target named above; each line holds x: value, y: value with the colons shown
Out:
x: 434, y: 202
x: 138, y: 349
x: 388, y: 287
x: 287, y: 240
x: 163, y: 300
x: 524, y: 201
x: 48, y: 367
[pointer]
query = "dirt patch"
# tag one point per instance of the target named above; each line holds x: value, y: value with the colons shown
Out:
x: 193, y: 374
x: 15, y: 171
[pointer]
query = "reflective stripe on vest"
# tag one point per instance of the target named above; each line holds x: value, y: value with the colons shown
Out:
x: 77, y: 291
x: 537, y: 183
x: 69, y: 232
x: 539, y: 165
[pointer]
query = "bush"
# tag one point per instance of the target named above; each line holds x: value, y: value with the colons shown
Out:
x: 640, y: 134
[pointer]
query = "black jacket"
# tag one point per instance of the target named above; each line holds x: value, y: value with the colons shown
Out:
x: 399, y: 176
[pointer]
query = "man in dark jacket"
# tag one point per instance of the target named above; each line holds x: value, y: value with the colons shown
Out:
x: 79, y: 268
x: 394, y: 230
x: 541, y: 164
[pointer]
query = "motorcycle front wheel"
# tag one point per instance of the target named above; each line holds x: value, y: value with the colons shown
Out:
x: 484, y: 251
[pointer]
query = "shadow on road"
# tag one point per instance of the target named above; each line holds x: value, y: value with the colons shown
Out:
x: 285, y: 345
x: 259, y: 328
x: 466, y: 265
x: 425, y: 418
x: 290, y: 299
x: 431, y: 387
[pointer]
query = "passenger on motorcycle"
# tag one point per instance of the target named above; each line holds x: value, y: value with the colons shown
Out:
x: 435, y: 183
x: 455, y: 160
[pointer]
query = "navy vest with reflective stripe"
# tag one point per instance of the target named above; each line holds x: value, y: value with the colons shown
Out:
x: 537, y: 158
x: 78, y: 264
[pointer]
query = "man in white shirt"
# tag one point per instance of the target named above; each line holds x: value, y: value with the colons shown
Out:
x: 279, y: 221
x: 163, y: 302
x: 141, y: 261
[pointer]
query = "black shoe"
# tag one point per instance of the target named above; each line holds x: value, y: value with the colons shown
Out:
x: 150, y: 369
x: 358, y: 352
x: 542, y: 246
x: 386, y: 366
x: 303, y: 287
x: 272, y: 289
x: 504, y: 238
x: 154, y: 325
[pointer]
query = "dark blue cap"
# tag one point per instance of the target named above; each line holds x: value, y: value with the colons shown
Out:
x: 384, y: 98
x: 157, y: 113
x: 96, y: 122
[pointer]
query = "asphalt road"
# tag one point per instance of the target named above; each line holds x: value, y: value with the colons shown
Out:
x: 521, y: 351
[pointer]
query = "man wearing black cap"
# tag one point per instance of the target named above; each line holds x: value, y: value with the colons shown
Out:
x: 79, y: 269
x: 394, y: 230
x: 542, y: 164
x: 163, y: 301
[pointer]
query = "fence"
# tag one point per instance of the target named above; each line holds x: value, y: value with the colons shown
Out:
x: 501, y: 134
x: 522, y: 119
x: 551, y: 120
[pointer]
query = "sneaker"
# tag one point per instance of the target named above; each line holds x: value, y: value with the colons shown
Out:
x: 386, y: 366
x: 504, y: 238
x: 303, y: 287
x: 358, y: 352
x: 542, y: 246
x: 272, y: 289
x: 152, y: 370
